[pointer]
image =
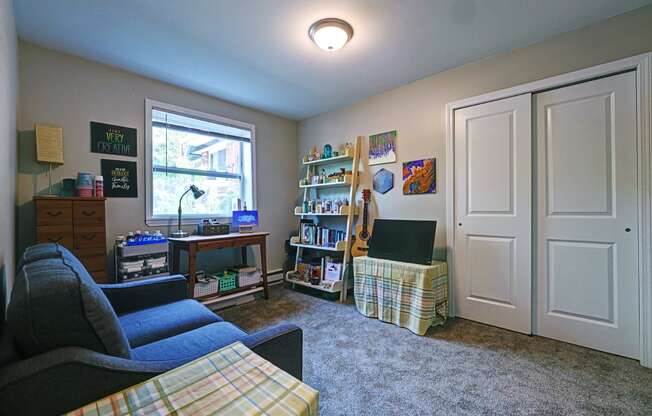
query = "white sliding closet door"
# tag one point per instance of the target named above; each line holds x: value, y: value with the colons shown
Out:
x: 587, y: 214
x: 493, y: 206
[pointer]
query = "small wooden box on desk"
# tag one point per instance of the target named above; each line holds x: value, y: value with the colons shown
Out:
x: 79, y: 224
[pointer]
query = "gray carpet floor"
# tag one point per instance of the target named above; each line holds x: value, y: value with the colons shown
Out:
x: 362, y: 366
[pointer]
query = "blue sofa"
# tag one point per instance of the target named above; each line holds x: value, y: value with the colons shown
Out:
x: 67, y: 341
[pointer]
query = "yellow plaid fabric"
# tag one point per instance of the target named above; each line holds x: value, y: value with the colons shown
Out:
x: 412, y: 296
x: 231, y: 381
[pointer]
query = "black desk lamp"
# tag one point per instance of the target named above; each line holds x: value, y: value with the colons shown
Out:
x: 197, y: 193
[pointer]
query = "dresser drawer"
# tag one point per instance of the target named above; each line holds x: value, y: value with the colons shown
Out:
x: 53, y: 212
x: 88, y: 212
x: 94, y: 263
x: 89, y: 236
x: 62, y: 234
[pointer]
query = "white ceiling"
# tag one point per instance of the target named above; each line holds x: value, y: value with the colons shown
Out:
x: 257, y: 52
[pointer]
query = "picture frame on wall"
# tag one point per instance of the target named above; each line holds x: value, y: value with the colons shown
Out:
x: 120, y: 178
x: 420, y: 177
x: 113, y: 140
x: 382, y: 148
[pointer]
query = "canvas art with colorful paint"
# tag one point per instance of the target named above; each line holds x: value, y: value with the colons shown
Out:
x: 382, y: 148
x: 419, y: 177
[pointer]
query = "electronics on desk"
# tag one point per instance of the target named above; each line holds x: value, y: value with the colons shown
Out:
x: 245, y: 221
x: 210, y: 226
x: 141, y: 255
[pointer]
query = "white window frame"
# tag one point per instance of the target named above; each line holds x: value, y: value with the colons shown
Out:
x: 189, y: 219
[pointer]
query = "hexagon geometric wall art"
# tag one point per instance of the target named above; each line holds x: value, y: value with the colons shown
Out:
x: 383, y: 181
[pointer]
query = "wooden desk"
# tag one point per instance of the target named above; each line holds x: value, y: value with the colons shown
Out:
x: 196, y: 243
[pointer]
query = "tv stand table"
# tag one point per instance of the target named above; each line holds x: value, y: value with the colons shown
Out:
x: 197, y: 243
x: 409, y: 295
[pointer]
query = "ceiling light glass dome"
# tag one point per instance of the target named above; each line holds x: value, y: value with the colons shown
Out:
x: 330, y: 34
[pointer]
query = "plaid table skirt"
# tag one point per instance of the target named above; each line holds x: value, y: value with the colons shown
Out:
x: 409, y: 295
x: 231, y: 381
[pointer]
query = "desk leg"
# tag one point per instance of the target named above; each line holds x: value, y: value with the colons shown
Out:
x: 263, y: 265
x: 192, y: 257
x: 176, y: 257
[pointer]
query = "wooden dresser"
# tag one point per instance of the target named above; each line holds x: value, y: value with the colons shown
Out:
x: 78, y: 224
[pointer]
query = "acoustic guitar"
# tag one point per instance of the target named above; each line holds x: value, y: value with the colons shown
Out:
x: 360, y: 246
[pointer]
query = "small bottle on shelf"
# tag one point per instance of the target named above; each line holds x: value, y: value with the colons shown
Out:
x: 119, y: 240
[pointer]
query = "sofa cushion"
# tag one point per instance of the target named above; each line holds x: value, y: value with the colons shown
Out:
x: 190, y: 345
x: 55, y: 303
x: 44, y: 251
x: 164, y: 321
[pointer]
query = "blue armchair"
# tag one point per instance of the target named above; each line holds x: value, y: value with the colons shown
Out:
x: 69, y: 341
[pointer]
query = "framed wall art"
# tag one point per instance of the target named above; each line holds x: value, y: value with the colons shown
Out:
x: 419, y: 177
x: 382, y: 148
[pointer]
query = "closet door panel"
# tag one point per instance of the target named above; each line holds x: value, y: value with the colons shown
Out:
x: 493, y: 213
x: 587, y: 222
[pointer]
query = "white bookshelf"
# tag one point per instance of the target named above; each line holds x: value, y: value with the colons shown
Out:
x: 343, y: 247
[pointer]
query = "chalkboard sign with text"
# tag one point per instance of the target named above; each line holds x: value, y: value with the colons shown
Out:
x: 114, y: 140
x: 120, y: 179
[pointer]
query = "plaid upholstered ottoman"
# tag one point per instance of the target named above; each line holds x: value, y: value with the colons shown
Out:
x: 231, y: 381
x: 412, y: 296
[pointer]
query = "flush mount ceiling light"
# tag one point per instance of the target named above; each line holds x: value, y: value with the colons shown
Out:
x: 330, y: 34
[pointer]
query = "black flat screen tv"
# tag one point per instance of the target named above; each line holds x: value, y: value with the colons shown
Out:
x: 403, y: 240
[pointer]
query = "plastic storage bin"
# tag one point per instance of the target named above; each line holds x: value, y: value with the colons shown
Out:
x: 227, y: 281
x: 247, y: 275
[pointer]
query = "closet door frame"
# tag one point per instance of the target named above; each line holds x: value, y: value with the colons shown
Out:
x: 642, y: 64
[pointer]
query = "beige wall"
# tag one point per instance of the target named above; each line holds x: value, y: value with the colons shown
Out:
x: 70, y: 92
x: 8, y: 86
x: 416, y: 110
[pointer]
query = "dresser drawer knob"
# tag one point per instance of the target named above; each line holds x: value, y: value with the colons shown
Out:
x: 88, y: 213
x: 54, y: 214
x: 88, y: 236
x: 55, y: 240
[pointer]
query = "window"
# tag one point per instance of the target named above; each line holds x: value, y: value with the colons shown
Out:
x: 186, y: 147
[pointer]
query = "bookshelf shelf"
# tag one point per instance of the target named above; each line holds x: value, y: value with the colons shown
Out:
x: 335, y: 159
x: 326, y: 185
x: 332, y: 287
x: 344, y: 212
x: 339, y: 247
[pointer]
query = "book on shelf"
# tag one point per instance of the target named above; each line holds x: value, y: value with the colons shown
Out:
x: 316, y: 235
